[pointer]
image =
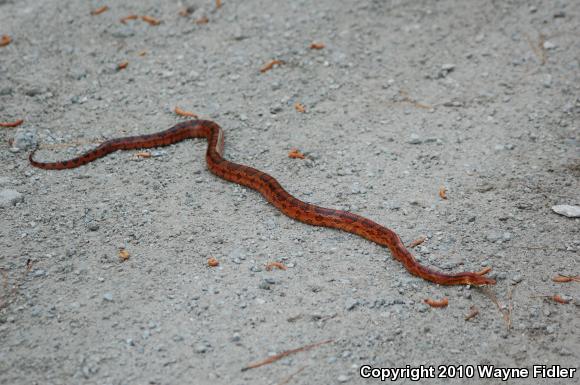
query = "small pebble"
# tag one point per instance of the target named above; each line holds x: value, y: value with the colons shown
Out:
x: 33, y: 92
x: 548, y: 81
x: 24, y: 139
x: 559, y: 14
x: 343, y: 378
x: 567, y: 210
x: 517, y: 278
x: 158, y: 153
x: 108, y: 297
x: 93, y: 226
x: 10, y: 198
x: 351, y: 303
x: 494, y: 236
x: 448, y: 67
x: 39, y: 273
x: 415, y: 139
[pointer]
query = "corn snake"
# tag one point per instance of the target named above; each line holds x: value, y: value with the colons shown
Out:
x: 272, y: 192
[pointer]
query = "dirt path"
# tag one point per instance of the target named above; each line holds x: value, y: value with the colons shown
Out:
x: 479, y: 98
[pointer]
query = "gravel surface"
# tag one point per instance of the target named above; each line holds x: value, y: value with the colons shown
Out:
x: 407, y: 98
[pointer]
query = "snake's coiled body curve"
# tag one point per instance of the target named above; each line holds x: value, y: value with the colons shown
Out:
x: 272, y: 191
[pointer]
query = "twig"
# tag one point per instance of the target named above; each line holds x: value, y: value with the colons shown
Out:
x: 505, y: 312
x: 268, y: 66
x: 99, y: 10
x: 484, y: 271
x: 4, y: 302
x: 130, y: 17
x: 543, y: 248
x: 287, y: 379
x: 510, y: 307
x: 279, y: 356
x: 538, y: 49
x: 150, y: 20
x: 408, y: 99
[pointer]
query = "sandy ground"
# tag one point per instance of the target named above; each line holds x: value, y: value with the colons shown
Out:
x: 479, y: 97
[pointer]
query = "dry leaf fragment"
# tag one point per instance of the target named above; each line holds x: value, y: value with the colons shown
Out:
x: 473, y: 311
x: 122, y: 65
x: 142, y: 53
x: 150, y: 20
x: 130, y: 17
x: 202, y: 20
x: 299, y: 107
x: 15, y: 123
x: 123, y: 255
x: 417, y: 241
x: 218, y: 4
x: 277, y: 265
x: 317, y: 46
x: 558, y: 298
x: 443, y: 192
x: 268, y: 66
x: 295, y: 154
x: 566, y: 278
x: 181, y: 112
x: 434, y: 303
x: 143, y: 154
x: 99, y: 10
x: 212, y: 262
x: 5, y: 40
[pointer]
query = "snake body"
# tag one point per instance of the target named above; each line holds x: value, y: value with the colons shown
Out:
x: 272, y: 191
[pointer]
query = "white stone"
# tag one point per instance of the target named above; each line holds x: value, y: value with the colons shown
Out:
x: 567, y: 210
